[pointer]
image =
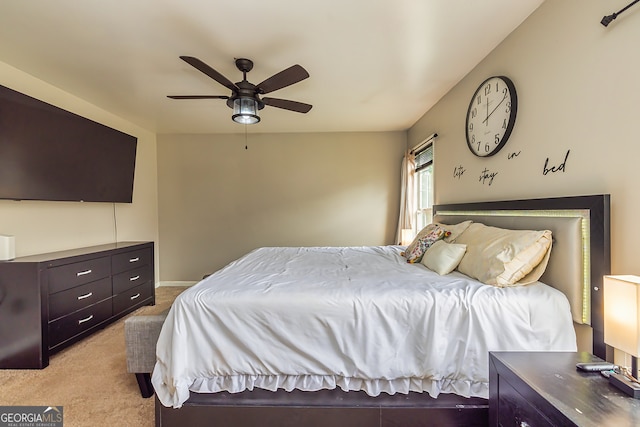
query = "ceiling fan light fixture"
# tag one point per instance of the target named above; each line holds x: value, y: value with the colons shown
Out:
x: 245, y: 110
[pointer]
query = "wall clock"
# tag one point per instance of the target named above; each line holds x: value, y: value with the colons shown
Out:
x: 491, y: 116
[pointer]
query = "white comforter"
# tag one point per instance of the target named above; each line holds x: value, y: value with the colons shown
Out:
x: 358, y: 318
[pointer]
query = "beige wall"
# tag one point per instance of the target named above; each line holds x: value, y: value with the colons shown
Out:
x: 578, y: 86
x: 218, y: 200
x: 40, y: 226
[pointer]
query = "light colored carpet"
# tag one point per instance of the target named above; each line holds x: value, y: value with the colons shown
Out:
x: 89, y: 379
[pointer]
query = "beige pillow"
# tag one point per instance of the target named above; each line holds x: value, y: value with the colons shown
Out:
x: 443, y: 257
x: 502, y: 257
x: 455, y: 230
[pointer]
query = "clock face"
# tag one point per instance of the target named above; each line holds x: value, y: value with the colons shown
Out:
x: 491, y: 116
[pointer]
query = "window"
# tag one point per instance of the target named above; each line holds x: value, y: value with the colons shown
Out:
x: 417, y: 191
x: 424, y: 186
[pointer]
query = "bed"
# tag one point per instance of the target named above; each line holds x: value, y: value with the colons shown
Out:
x: 358, y: 336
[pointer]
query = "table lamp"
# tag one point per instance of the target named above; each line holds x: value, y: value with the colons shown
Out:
x: 622, y: 326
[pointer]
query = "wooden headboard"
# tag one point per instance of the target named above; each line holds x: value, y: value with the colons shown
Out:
x: 581, y: 251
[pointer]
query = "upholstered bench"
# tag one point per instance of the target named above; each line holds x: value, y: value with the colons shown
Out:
x: 141, y: 335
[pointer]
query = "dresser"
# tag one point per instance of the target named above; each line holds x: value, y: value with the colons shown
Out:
x: 544, y: 389
x: 50, y: 301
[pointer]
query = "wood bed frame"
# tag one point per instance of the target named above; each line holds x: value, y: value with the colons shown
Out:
x: 336, y: 408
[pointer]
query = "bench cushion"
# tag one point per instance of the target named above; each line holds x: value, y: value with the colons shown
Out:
x: 141, y: 335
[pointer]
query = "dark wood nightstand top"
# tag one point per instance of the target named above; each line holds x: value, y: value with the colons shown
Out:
x: 550, y: 382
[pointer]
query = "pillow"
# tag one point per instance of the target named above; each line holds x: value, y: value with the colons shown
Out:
x: 443, y: 257
x: 502, y: 257
x: 425, y: 231
x: 423, y: 243
x: 455, y: 230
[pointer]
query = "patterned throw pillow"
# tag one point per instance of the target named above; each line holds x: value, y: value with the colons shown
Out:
x: 425, y: 231
x: 424, y: 242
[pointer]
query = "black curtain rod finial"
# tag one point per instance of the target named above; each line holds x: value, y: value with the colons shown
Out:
x: 607, y: 19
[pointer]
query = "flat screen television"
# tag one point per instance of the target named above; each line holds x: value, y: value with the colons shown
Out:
x: 47, y: 153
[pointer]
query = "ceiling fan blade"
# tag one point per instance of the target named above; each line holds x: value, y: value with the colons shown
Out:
x: 204, y: 68
x: 197, y: 97
x: 284, y: 78
x: 285, y: 104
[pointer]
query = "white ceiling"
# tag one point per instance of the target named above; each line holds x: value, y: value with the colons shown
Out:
x: 375, y: 65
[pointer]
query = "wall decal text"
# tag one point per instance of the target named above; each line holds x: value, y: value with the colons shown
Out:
x: 486, y: 176
x: 513, y: 155
x: 458, y: 171
x: 554, y: 169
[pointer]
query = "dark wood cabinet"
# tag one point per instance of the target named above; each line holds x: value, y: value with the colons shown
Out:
x: 50, y: 301
x: 545, y: 389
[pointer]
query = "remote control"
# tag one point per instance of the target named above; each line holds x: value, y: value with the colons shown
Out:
x: 595, y: 366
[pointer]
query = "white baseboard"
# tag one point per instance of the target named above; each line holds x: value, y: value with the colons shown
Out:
x: 175, y: 283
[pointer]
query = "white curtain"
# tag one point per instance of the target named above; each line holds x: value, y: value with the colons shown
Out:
x: 407, y: 208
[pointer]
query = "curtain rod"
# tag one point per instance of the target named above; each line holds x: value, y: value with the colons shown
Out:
x: 428, y: 139
x: 607, y: 19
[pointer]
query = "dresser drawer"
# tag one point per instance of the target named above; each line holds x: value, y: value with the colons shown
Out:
x: 75, y: 323
x: 515, y: 410
x: 131, y: 297
x: 131, y: 279
x: 74, y: 299
x: 130, y: 260
x: 72, y: 275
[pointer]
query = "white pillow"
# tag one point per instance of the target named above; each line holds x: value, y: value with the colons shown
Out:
x: 503, y: 257
x: 443, y: 257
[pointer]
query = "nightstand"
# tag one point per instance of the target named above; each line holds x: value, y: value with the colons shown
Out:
x: 528, y: 389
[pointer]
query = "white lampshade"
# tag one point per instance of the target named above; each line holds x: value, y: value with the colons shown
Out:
x: 7, y: 247
x: 407, y: 236
x: 621, y: 313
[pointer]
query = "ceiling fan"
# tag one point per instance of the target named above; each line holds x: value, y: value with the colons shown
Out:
x: 245, y: 97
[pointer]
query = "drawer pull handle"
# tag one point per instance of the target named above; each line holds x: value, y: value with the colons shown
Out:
x: 81, y: 321
x: 136, y: 259
x: 85, y: 296
x: 134, y: 278
x: 136, y: 296
x: 82, y: 273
